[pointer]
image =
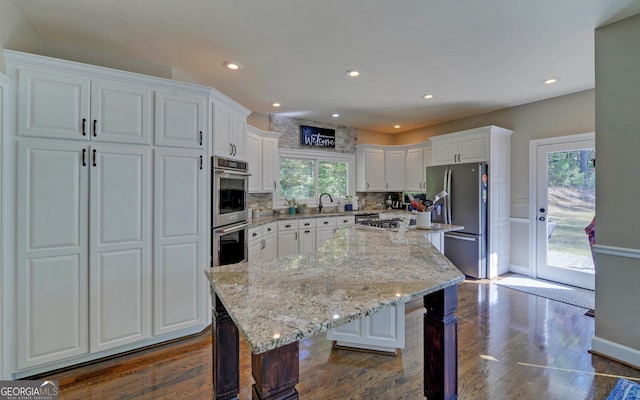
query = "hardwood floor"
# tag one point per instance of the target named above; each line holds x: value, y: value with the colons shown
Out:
x: 512, y: 345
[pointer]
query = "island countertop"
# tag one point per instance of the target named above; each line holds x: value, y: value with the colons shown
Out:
x: 356, y: 273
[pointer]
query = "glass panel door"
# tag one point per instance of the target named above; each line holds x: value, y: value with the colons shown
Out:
x: 565, y: 207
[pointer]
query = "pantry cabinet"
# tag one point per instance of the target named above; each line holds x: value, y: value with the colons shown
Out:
x: 100, y: 189
x: 109, y: 214
x: 264, y: 167
x: 68, y: 106
x: 179, y: 284
x: 180, y: 119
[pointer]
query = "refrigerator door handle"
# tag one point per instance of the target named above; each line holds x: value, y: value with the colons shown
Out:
x: 460, y: 237
x: 449, y: 218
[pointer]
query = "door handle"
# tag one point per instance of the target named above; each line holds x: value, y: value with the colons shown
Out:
x: 541, y: 219
x: 84, y: 127
x: 95, y: 124
x: 84, y: 155
x: 94, y: 158
x: 200, y: 138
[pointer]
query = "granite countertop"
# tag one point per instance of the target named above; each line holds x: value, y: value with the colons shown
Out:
x: 270, y: 217
x: 356, y: 273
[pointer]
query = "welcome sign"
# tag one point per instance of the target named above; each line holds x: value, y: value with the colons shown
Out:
x: 317, y: 137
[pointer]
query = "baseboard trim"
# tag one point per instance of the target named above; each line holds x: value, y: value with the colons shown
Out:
x: 519, y: 220
x: 519, y: 269
x: 616, y: 251
x: 615, y: 351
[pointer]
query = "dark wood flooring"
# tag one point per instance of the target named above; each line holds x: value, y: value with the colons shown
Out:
x: 512, y: 345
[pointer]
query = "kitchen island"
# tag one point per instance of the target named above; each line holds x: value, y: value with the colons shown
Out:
x: 358, y: 272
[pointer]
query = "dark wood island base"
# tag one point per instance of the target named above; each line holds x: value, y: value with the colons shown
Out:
x: 276, y: 372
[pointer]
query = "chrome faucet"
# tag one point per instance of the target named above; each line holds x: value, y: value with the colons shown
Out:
x: 320, y: 201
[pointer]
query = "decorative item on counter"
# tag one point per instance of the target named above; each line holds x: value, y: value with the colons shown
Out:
x: 291, y: 203
x: 348, y: 206
x: 399, y: 237
x: 355, y: 203
x: 302, y: 208
x: 423, y: 220
x: 256, y: 213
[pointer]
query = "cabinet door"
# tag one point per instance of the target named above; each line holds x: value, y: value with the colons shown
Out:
x: 394, y: 169
x: 178, y: 278
x: 120, y: 113
x: 120, y: 246
x: 222, y: 128
x: 307, y: 241
x: 254, y: 153
x: 238, y: 134
x: 323, y: 234
x: 53, y: 105
x: 255, y: 250
x: 444, y: 151
x: 270, y: 249
x: 415, y: 170
x: 473, y: 148
x: 287, y: 243
x: 270, y: 165
x: 52, y: 252
x: 179, y: 120
x: 374, y: 170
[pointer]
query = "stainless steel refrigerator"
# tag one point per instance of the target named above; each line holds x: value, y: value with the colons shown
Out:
x: 466, y: 205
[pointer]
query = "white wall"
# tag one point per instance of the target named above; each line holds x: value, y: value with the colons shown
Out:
x: 617, y: 332
x: 559, y: 116
x: 15, y: 32
x: 4, y: 83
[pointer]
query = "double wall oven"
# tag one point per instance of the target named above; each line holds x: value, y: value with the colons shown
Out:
x: 229, y: 213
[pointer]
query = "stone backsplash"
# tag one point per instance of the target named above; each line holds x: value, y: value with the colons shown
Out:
x: 290, y: 139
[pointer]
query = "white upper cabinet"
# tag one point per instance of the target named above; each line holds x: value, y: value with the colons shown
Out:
x: 460, y: 147
x: 229, y: 131
x: 418, y: 159
x: 370, y: 170
x: 180, y: 120
x: 58, y: 105
x: 394, y: 166
x: 262, y: 154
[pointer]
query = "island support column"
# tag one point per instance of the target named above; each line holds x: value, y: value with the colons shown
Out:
x: 226, y: 353
x: 276, y: 373
x: 441, y: 345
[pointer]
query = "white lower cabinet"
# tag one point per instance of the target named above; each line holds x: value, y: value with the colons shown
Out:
x: 263, y: 242
x: 179, y: 283
x: 306, y: 236
x: 437, y: 240
x: 287, y: 238
x: 76, y: 295
x: 382, y: 331
x: 325, y: 228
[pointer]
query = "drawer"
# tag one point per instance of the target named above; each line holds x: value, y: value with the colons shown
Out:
x: 255, y: 233
x: 348, y: 220
x: 322, y: 222
x: 271, y: 227
x: 287, y: 225
x: 306, y: 223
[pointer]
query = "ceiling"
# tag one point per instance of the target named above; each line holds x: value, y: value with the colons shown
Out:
x: 473, y: 56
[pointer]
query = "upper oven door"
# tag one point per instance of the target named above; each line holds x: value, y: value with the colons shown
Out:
x: 229, y: 197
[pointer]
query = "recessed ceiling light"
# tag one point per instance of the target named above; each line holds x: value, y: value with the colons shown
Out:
x: 550, y: 81
x: 232, y: 65
x: 427, y: 96
x: 276, y: 104
x: 335, y: 115
x: 397, y: 126
x: 352, y: 73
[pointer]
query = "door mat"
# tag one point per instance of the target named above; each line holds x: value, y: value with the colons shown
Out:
x: 555, y: 291
x: 625, y: 390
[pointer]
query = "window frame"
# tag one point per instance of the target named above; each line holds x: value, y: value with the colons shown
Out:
x: 348, y: 158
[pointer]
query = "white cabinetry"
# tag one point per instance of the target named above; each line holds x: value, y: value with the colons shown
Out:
x: 287, y: 238
x: 493, y: 145
x: 394, y: 167
x: 325, y: 228
x: 68, y: 106
x: 262, y: 154
x: 55, y: 259
x: 418, y: 159
x: 460, y: 147
x: 229, y: 130
x: 263, y: 242
x: 306, y: 236
x: 382, y: 331
x: 178, y: 278
x: 370, y: 169
x: 180, y: 120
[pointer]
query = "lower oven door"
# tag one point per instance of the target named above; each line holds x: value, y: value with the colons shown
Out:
x: 229, y: 244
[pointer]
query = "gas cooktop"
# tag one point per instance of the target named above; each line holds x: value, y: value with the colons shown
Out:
x: 381, y: 224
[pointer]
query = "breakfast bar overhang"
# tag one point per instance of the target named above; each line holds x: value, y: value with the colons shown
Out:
x: 358, y: 272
